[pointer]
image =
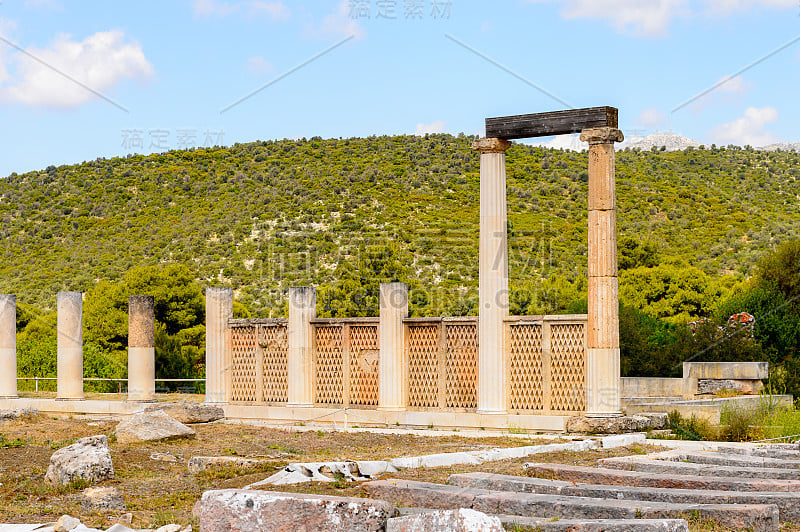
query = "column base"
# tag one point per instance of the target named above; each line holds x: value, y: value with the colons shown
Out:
x: 392, y: 409
x: 70, y: 398
x: 492, y: 412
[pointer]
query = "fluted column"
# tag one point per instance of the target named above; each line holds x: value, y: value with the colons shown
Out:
x: 392, y: 374
x: 602, y: 354
x: 141, y: 349
x: 8, y: 346
x: 493, y: 276
x: 70, y: 345
x: 219, y: 309
x: 300, y: 334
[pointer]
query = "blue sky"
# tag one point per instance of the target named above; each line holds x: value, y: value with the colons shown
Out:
x: 88, y: 79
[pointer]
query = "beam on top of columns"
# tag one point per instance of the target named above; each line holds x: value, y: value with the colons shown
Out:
x: 553, y: 123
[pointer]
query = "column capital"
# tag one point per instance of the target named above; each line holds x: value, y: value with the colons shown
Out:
x: 601, y: 135
x: 491, y: 145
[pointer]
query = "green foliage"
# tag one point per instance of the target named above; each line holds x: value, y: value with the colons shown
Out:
x: 635, y: 254
x: 5, y: 443
x: 781, y: 269
x: 646, y: 345
x: 676, y: 293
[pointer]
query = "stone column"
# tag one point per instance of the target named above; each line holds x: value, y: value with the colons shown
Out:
x: 493, y: 276
x: 219, y: 309
x: 602, y: 353
x: 70, y: 345
x: 8, y: 346
x: 392, y: 362
x: 300, y: 334
x: 141, y: 349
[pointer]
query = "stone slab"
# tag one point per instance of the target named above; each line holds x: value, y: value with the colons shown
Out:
x: 732, y: 460
x: 595, y: 525
x: 201, y: 463
x: 788, y: 503
x: 614, y: 477
x: 189, y: 412
x: 461, y: 520
x: 266, y: 511
x: 151, y: 426
x: 726, y: 370
x: 784, y: 452
x: 412, y: 493
x: 647, y: 464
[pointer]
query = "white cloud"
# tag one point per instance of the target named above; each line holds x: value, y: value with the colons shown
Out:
x: 734, y: 85
x: 339, y: 23
x: 436, y: 126
x: 651, y: 118
x: 251, y: 8
x: 748, y: 129
x: 562, y: 142
x: 100, y: 62
x: 259, y: 65
x: 651, y: 18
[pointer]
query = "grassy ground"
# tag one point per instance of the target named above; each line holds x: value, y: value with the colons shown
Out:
x: 158, y: 492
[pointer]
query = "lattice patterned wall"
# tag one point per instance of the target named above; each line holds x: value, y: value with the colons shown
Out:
x: 329, y: 363
x: 423, y: 365
x: 243, y: 353
x: 568, y: 367
x: 527, y: 371
x: 274, y: 346
x: 461, y: 365
x: 364, y: 358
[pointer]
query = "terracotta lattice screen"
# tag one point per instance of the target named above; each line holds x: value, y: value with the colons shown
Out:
x: 259, y: 355
x: 547, y: 363
x: 346, y: 354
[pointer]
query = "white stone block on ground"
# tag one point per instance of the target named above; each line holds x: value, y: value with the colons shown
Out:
x: 88, y: 459
x: 102, y: 499
x: 151, y: 426
x: 622, y: 440
x: 462, y: 520
x: 201, y: 463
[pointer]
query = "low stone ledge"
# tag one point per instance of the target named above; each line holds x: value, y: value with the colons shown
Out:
x: 461, y: 520
x: 651, y: 465
x: 617, y: 425
x: 226, y: 510
x: 614, y: 477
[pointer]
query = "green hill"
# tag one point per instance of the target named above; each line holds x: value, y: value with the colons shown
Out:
x: 264, y: 216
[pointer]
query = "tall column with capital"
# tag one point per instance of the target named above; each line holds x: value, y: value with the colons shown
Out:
x: 219, y: 309
x: 8, y: 346
x: 602, y: 353
x: 69, y: 333
x: 141, y: 349
x: 493, y: 276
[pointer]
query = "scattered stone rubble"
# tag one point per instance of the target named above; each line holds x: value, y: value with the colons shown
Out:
x: 88, y: 459
x: 151, y: 426
x: 67, y: 523
x: 102, y: 499
x: 25, y: 414
x: 189, y: 412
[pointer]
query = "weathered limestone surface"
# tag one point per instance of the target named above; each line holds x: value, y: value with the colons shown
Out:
x: 19, y: 413
x: 461, y: 520
x: 8, y: 346
x: 189, y: 412
x: 784, y: 451
x: 102, y: 499
x: 70, y: 345
x: 596, y: 525
x: 593, y: 475
x: 226, y: 510
x: 302, y: 308
x: 411, y: 493
x: 151, y: 426
x: 88, y: 459
x: 747, y: 387
x: 141, y: 348
x: 493, y: 275
x: 201, y: 463
x: 617, y: 425
x: 734, y: 460
x: 788, y: 503
x: 644, y: 463
x: 219, y: 309
x: 65, y: 523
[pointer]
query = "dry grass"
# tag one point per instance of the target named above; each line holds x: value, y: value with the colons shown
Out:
x: 160, y: 492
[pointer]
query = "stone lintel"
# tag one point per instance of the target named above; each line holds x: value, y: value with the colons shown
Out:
x: 491, y: 145
x: 601, y: 135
